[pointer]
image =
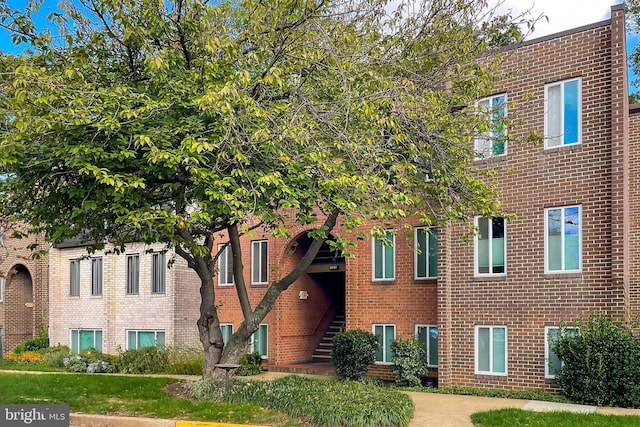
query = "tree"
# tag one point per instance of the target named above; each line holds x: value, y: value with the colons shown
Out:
x: 170, y: 121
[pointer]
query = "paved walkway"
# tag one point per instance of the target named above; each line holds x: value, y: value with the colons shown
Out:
x: 442, y: 410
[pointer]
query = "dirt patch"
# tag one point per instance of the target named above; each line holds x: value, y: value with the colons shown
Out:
x: 180, y: 390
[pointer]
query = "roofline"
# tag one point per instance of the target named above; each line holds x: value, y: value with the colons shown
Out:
x: 634, y: 108
x: 565, y: 33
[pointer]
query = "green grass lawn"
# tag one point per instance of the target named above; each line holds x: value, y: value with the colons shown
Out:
x: 522, y: 418
x: 128, y: 396
x: 28, y: 367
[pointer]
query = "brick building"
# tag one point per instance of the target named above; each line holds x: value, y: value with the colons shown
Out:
x: 129, y: 300
x: 483, y: 309
x: 24, y: 299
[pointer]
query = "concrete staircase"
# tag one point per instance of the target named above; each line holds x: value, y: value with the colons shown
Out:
x: 322, y: 354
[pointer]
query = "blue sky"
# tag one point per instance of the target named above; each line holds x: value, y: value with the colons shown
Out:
x: 561, y: 15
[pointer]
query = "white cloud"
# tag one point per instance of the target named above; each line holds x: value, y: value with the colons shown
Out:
x: 562, y: 14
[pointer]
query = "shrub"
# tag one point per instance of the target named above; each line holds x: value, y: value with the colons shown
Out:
x: 26, y: 357
x: 600, y: 366
x: 251, y: 364
x: 75, y: 363
x: 147, y: 360
x: 352, y: 353
x: 408, y: 362
x: 39, y: 342
x: 55, y: 356
x: 320, y: 402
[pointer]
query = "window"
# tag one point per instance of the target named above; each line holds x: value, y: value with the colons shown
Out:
x: 563, y: 239
x: 84, y: 339
x: 384, y: 262
x: 227, y: 331
x: 74, y: 277
x: 491, y: 350
x: 259, y: 257
x: 259, y: 341
x: 428, y: 336
x: 141, y: 339
x: 1, y: 291
x: 96, y: 276
x: 563, y: 115
x: 492, y: 142
x: 552, y: 362
x: 385, y: 334
x: 133, y: 274
x: 225, y: 266
x: 158, y: 273
x: 425, y: 252
x: 490, y: 246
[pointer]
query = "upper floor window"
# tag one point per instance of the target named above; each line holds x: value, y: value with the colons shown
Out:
x: 96, y: 276
x: 563, y: 239
x: 74, y: 277
x: 492, y: 142
x: 259, y: 262
x: 553, y: 364
x: 227, y: 331
x: 490, y: 246
x: 385, y: 335
x: 384, y: 257
x: 158, y: 273
x: 563, y: 113
x: 133, y: 274
x: 425, y: 252
x: 428, y: 337
x: 491, y: 350
x: 225, y: 266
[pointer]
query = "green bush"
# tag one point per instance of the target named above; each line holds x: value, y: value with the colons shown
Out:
x: 408, y: 362
x: 326, y: 403
x: 251, y: 364
x: 147, y: 360
x: 55, y: 356
x: 600, y: 366
x: 39, y: 342
x: 352, y: 353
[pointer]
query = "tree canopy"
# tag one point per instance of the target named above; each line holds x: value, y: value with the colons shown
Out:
x: 168, y: 121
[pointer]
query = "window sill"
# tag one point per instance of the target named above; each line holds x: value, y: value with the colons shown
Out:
x: 490, y: 160
x: 259, y: 285
x: 490, y: 376
x: 490, y: 278
x: 383, y: 282
x: 426, y: 281
x: 576, y: 146
x: 561, y: 275
x: 158, y: 294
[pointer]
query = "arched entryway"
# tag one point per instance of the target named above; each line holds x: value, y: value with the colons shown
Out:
x: 313, y: 310
x: 18, y: 307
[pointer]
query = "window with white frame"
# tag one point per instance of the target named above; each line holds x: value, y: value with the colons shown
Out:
x: 492, y: 142
x: 425, y: 252
x: 1, y: 290
x: 133, y: 274
x: 260, y: 341
x: 137, y: 339
x: 158, y: 273
x: 84, y: 339
x: 428, y: 336
x: 563, y: 239
x: 563, y: 113
x: 259, y: 262
x: 384, y: 257
x: 74, y: 277
x: 385, y: 334
x: 96, y: 276
x: 491, y: 350
x: 553, y: 364
x: 227, y: 331
x: 490, y: 246
x: 225, y: 265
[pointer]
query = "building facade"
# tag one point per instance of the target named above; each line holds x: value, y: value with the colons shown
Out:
x: 24, y: 298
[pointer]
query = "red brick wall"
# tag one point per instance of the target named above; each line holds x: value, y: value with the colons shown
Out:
x: 634, y: 214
